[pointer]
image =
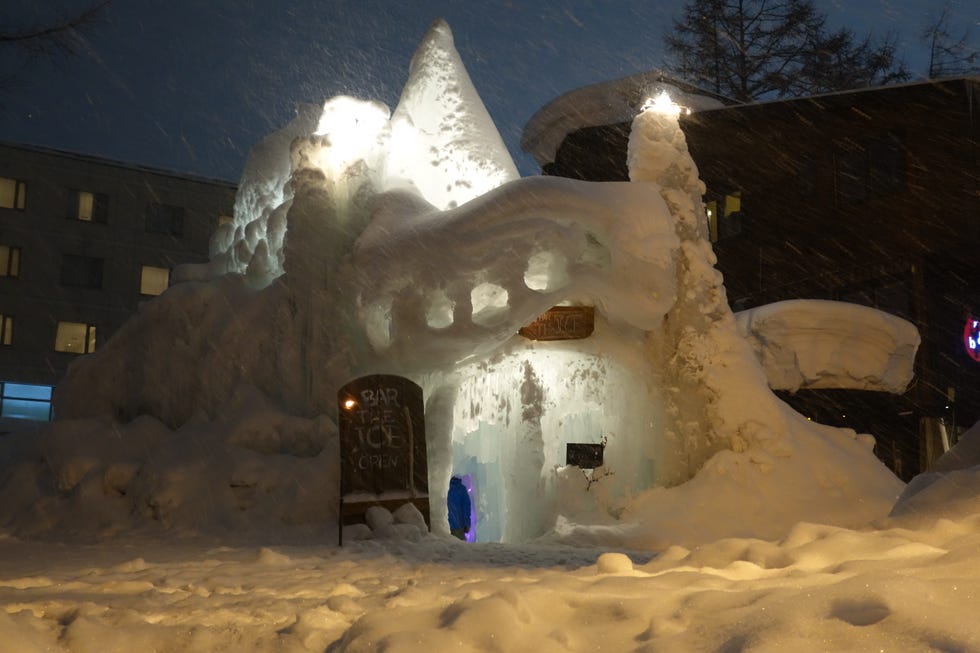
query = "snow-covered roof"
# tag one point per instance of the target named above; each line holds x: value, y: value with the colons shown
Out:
x: 605, y: 103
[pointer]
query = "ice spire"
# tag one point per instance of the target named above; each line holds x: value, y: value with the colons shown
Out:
x: 441, y: 118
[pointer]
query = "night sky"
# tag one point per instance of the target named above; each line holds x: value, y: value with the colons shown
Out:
x: 191, y: 85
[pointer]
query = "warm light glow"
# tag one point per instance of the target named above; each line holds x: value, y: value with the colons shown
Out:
x: 663, y: 104
x: 154, y: 280
x: 349, y: 404
x: 86, y: 206
x: 353, y: 129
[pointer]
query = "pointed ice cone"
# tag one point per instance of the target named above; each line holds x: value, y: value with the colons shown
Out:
x: 443, y: 139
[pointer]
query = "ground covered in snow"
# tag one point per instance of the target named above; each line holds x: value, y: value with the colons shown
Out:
x: 821, y: 588
x: 905, y: 582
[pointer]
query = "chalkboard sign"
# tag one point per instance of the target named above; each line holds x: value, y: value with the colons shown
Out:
x: 382, y: 437
x: 562, y: 323
x: 586, y: 456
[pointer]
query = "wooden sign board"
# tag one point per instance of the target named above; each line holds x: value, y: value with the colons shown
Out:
x: 586, y: 456
x: 562, y: 323
x: 382, y: 445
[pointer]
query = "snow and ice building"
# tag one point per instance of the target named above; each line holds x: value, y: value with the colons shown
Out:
x: 867, y: 196
x: 84, y: 240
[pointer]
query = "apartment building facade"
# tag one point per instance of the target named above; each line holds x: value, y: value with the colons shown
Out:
x: 83, y: 241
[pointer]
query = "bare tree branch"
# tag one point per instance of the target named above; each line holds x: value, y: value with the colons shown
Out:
x: 752, y: 49
x: 57, y: 37
x: 949, y: 57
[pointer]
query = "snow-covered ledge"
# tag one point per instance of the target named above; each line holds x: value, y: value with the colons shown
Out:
x: 815, y: 343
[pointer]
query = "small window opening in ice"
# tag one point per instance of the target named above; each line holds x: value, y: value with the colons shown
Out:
x: 489, y: 303
x: 546, y: 271
x: 439, y: 311
x: 377, y: 323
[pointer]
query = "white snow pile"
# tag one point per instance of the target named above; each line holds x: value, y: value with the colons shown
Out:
x: 822, y: 344
x: 367, y: 241
x: 950, y: 489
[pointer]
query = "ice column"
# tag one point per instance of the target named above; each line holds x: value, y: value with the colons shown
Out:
x: 709, y: 371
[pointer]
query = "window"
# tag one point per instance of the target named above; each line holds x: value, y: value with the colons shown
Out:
x: 81, y: 271
x: 9, y: 261
x: 90, y: 207
x: 164, y: 219
x: 886, y: 166
x: 153, y: 280
x: 225, y: 219
x: 12, y: 194
x: 75, y: 338
x: 871, y: 168
x: 6, y: 330
x: 724, y: 215
x: 25, y: 401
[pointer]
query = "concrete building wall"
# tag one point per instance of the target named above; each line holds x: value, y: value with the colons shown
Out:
x: 60, y: 267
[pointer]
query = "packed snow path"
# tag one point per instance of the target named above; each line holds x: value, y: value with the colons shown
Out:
x: 820, y: 589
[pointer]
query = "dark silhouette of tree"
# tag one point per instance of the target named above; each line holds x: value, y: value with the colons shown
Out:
x: 949, y: 57
x: 754, y: 49
x: 28, y: 41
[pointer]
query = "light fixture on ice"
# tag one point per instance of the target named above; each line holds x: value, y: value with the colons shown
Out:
x: 354, y: 129
x: 663, y: 104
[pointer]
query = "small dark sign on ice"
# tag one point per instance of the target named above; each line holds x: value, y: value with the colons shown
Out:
x: 586, y: 456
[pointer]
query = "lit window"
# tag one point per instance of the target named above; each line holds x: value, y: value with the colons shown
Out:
x: 711, y: 208
x: 153, y: 280
x: 26, y: 401
x: 75, y: 338
x: 81, y: 271
x: 91, y: 207
x: 164, y: 219
x: 12, y: 194
x: 6, y: 330
x: 225, y: 219
x: 724, y: 215
x: 9, y: 261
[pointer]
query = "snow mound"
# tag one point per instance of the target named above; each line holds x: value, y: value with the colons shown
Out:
x: 950, y: 489
x: 255, y: 471
x: 823, y: 344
